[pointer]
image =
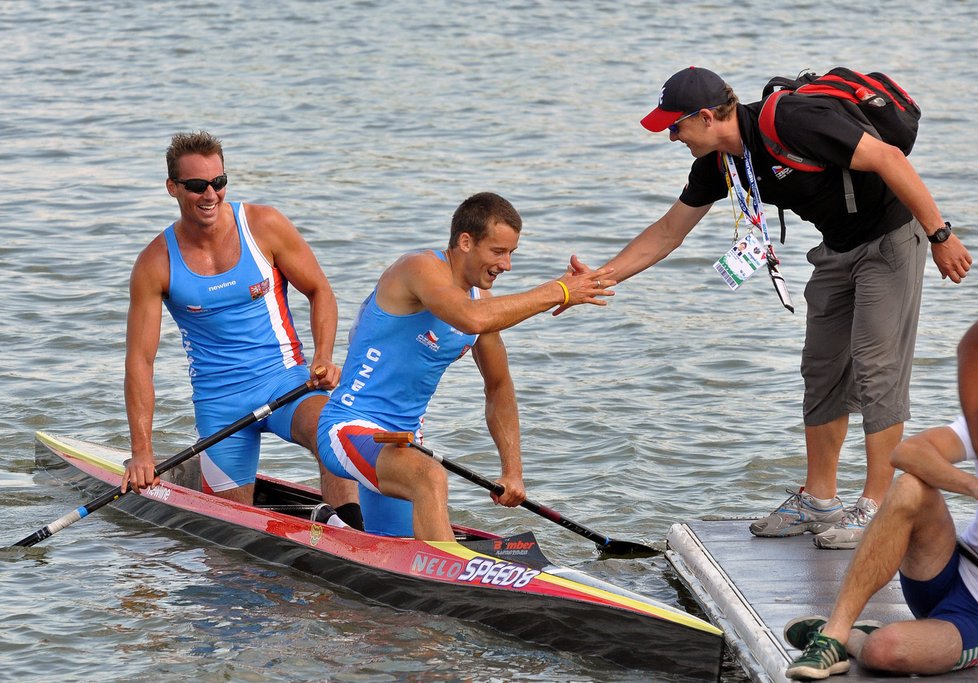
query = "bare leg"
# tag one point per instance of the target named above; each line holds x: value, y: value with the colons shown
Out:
x: 337, y: 491
x: 242, y: 494
x: 927, y: 646
x: 407, y: 474
x: 879, y: 471
x: 824, y: 444
x: 912, y: 532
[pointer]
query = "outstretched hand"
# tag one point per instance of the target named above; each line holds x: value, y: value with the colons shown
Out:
x: 584, y: 285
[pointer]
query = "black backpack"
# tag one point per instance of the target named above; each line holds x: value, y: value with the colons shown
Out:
x: 874, y: 101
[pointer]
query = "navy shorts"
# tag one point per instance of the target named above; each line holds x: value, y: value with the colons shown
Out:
x: 946, y: 597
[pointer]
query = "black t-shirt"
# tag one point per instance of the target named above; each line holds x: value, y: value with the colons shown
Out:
x: 814, y: 129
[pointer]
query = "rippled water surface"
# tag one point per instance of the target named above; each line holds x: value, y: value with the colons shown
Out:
x: 367, y: 123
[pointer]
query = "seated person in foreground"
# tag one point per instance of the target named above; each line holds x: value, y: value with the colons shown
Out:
x: 913, y: 532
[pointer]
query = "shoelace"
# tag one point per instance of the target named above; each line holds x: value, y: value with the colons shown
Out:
x: 794, y: 500
x: 857, y: 516
x: 821, y: 648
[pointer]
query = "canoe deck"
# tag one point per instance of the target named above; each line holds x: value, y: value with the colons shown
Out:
x: 504, y: 583
x: 751, y: 587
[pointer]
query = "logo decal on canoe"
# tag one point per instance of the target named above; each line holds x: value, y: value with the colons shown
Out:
x: 315, y: 534
x: 496, y: 573
x: 513, y: 546
x: 424, y: 564
x: 161, y: 492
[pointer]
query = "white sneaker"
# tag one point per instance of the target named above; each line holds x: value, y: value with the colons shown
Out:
x: 848, y: 532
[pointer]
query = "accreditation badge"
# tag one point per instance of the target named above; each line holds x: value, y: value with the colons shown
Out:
x: 745, y: 256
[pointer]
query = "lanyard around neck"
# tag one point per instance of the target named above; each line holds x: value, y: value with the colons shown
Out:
x: 750, y: 203
x: 753, y: 210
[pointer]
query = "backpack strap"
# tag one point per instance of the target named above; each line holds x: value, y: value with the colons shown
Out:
x: 772, y: 141
x: 850, y: 192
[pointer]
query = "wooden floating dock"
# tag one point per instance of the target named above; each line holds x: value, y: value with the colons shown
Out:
x: 751, y: 587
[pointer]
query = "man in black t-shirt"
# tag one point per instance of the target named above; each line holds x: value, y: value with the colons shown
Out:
x: 864, y: 294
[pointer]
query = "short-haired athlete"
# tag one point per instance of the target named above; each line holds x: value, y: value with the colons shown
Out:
x: 912, y: 533
x: 427, y: 310
x: 223, y: 271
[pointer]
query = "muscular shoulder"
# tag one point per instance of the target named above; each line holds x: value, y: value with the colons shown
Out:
x: 418, y: 263
x: 402, y: 285
x: 262, y: 218
x: 152, y: 266
x: 272, y: 230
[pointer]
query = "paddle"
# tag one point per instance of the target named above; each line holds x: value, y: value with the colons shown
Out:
x: 606, y: 545
x: 168, y: 464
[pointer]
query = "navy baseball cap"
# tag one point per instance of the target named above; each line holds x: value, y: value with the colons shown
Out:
x: 685, y: 92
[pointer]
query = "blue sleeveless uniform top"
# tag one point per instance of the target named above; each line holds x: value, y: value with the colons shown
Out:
x: 394, y: 364
x: 236, y: 326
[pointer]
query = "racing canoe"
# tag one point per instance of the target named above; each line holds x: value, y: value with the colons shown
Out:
x: 506, y: 583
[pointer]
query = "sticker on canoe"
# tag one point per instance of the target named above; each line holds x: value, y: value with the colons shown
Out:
x: 425, y: 564
x: 161, y: 492
x: 496, y: 573
x: 521, y: 548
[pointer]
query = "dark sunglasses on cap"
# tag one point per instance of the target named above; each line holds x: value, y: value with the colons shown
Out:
x: 199, y: 185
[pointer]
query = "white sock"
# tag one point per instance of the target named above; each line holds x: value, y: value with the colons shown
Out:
x: 823, y: 503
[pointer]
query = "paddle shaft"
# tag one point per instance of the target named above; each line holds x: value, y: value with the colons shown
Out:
x: 603, y: 542
x: 168, y: 464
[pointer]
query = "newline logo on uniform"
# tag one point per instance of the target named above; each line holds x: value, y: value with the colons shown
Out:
x: 232, y: 283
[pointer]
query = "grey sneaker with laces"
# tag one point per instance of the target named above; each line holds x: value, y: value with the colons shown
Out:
x: 798, y: 514
x: 849, y: 531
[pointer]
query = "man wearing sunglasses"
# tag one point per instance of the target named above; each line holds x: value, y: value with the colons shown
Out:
x: 864, y: 294
x: 223, y: 272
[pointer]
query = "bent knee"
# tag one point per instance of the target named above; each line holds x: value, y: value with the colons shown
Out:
x: 894, y: 650
x: 910, y: 492
x: 408, y: 475
x: 885, y: 650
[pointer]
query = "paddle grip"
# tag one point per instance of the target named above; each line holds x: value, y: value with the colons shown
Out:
x: 399, y: 438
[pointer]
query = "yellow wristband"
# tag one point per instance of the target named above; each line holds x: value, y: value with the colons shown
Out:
x: 566, y: 292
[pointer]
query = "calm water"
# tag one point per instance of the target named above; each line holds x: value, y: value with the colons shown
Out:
x: 367, y: 123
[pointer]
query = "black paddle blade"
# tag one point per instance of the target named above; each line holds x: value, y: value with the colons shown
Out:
x: 626, y: 550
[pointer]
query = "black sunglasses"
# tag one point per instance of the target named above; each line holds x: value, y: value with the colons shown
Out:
x: 199, y: 185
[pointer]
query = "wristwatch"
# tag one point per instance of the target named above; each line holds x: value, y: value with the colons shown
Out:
x: 941, y: 234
